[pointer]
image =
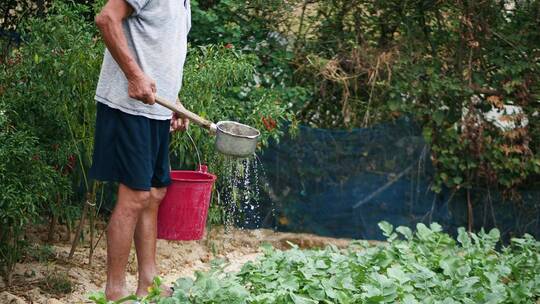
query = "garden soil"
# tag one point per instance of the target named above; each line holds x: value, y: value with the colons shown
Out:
x: 48, y: 280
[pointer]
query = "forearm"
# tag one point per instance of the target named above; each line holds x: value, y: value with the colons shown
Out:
x: 109, y: 22
x: 115, y: 40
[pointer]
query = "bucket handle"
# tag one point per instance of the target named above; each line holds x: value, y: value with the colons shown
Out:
x: 200, y: 167
x: 196, y: 150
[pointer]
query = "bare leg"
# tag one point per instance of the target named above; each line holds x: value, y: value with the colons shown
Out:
x: 145, y: 241
x: 128, y: 208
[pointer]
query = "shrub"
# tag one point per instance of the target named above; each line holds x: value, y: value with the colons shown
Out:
x: 446, y: 64
x: 26, y: 182
x: 265, y: 29
x: 46, y: 98
x: 220, y: 84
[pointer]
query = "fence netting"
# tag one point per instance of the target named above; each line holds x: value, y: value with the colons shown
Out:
x: 341, y: 183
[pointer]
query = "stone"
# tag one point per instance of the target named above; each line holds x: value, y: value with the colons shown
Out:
x: 8, y: 298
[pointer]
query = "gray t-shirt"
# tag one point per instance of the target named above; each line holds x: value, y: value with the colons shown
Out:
x: 157, y: 37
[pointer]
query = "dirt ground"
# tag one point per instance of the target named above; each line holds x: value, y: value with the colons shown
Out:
x: 47, y: 281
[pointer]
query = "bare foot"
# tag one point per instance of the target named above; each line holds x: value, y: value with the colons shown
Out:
x: 142, y: 289
x: 114, y: 294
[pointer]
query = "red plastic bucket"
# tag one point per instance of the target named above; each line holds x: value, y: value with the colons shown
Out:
x: 182, y: 213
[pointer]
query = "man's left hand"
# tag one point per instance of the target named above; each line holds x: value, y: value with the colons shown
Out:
x: 179, y: 123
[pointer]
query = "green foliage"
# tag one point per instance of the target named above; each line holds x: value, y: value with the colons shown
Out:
x: 258, y: 28
x: 46, y: 101
x: 57, y: 283
x: 26, y: 181
x: 356, y: 63
x: 426, y: 266
x: 50, y: 86
x: 47, y: 107
x: 472, y: 61
x: 16, y: 12
x: 254, y: 27
x: 218, y: 84
x: 42, y: 253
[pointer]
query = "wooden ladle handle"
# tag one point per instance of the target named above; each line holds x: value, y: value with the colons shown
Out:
x: 179, y: 109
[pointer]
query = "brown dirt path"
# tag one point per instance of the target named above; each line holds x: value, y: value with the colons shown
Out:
x: 176, y: 259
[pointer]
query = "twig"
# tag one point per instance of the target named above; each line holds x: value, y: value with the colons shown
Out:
x: 78, y: 231
x: 384, y: 187
x: 478, y: 89
x: 94, y: 246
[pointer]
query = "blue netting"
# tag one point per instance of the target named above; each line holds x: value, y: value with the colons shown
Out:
x: 342, y: 183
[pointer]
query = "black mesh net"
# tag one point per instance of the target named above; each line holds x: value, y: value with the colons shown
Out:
x: 342, y: 183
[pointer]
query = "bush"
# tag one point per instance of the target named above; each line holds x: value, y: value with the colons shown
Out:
x: 220, y: 84
x: 46, y: 98
x: 27, y: 183
x: 449, y: 65
x: 47, y: 89
x: 264, y: 29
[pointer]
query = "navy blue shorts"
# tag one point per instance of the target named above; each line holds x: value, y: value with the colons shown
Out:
x: 130, y: 149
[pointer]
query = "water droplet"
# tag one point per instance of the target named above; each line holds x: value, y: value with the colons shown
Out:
x: 241, y: 197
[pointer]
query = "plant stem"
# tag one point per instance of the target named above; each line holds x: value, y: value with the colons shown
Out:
x: 54, y: 221
x: 52, y: 226
x: 469, y: 211
x: 92, y: 216
x: 90, y: 197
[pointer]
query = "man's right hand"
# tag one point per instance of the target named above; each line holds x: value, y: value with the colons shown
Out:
x: 143, y: 88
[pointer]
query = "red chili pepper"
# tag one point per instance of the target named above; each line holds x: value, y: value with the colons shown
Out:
x: 265, y: 122
x: 273, y: 122
x: 71, y: 161
x: 70, y: 164
x: 269, y: 123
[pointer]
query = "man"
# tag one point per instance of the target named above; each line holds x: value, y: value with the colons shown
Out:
x: 146, y: 48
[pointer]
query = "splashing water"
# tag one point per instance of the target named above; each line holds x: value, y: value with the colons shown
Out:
x: 264, y: 180
x: 241, y: 193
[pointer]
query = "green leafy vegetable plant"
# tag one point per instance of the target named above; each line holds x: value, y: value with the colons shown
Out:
x: 425, y: 266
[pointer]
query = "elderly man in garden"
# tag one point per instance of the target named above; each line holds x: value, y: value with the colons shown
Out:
x: 146, y: 48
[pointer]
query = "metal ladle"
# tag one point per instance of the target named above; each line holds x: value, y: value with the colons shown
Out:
x: 232, y: 138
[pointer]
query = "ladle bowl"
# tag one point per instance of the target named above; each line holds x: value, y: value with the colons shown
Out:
x: 236, y: 139
x: 232, y: 138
